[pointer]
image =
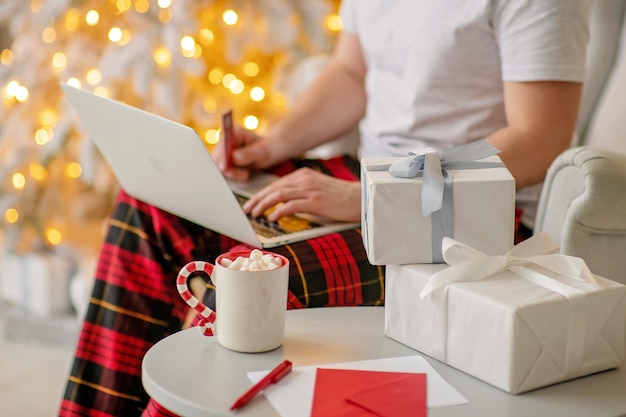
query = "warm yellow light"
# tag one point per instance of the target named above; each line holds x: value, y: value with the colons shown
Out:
x: 72, y: 19
x: 48, y: 117
x: 35, y: 6
x: 11, y: 215
x: 164, y: 4
x: 190, y: 48
x: 48, y: 35
x: 101, y: 91
x: 53, y: 235
x: 122, y: 5
x: 12, y: 89
x: 207, y: 35
x: 187, y: 43
x: 37, y: 172
x: 17, y: 91
x: 257, y: 94
x: 215, y: 76
x: 251, y: 69
x: 212, y: 136
x: 126, y: 37
x: 115, y: 34
x: 236, y: 86
x: 43, y: 135
x: 162, y: 57
x: 142, y: 6
x: 6, y: 57
x: 333, y: 22
x: 94, y: 76
x: 18, y: 180
x: 197, y: 52
x: 59, y: 61
x: 165, y: 15
x: 227, y: 79
x: 251, y: 122
x: 230, y: 17
x: 73, y: 170
x: 22, y: 94
x: 92, y: 17
x: 74, y: 82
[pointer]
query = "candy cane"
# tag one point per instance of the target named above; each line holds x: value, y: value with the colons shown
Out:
x: 207, y: 323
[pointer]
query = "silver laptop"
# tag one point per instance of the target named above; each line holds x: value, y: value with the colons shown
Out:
x: 166, y: 164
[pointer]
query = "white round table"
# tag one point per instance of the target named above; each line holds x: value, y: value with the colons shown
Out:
x: 194, y: 376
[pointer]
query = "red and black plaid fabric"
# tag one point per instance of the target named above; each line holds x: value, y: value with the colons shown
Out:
x: 135, y: 304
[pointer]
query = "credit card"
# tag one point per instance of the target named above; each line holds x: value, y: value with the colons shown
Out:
x: 228, y: 138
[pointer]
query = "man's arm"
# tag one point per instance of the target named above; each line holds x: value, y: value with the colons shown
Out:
x: 541, y: 120
x: 332, y: 105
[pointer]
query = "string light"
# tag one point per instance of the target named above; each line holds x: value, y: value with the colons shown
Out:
x: 162, y: 57
x: 251, y: 69
x: 257, y: 94
x: 92, y: 17
x: 74, y: 82
x: 242, y: 80
x: 236, y: 86
x: 333, y: 23
x: 230, y: 17
x: 54, y: 236
x: 11, y: 215
x: 115, y: 34
x: 6, y: 57
x: 37, y: 172
x: 18, y: 181
x: 59, y: 61
x: 251, y: 122
x: 73, y: 170
x: 43, y: 136
x: 48, y: 35
x: 212, y: 136
x: 142, y: 6
x: 216, y: 75
x: 72, y: 19
x: 207, y: 35
x: 94, y: 76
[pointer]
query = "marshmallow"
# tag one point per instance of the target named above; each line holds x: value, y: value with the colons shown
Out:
x: 258, y: 261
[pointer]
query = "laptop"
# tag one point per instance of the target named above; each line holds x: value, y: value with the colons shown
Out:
x: 166, y: 164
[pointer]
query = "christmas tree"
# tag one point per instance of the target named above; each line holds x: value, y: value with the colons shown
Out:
x: 187, y: 60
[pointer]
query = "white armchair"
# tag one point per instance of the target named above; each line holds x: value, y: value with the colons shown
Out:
x: 583, y: 201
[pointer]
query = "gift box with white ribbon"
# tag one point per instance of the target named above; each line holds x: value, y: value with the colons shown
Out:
x: 409, y: 204
x: 518, y: 321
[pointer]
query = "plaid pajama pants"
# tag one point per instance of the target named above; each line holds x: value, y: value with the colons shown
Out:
x: 135, y: 304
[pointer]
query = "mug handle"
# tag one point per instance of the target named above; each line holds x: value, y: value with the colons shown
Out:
x: 207, y: 323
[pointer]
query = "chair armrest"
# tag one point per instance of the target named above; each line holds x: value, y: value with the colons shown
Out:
x: 583, y: 207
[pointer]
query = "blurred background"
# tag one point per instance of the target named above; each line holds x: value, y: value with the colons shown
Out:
x: 187, y: 60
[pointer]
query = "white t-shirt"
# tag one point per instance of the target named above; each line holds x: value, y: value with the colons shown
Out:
x: 435, y: 67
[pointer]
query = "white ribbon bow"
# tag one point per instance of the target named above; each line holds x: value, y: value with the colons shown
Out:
x: 468, y: 264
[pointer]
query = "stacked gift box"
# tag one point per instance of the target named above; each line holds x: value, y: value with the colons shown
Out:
x: 517, y: 317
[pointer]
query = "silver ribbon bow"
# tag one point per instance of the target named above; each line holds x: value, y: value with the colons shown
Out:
x: 431, y: 167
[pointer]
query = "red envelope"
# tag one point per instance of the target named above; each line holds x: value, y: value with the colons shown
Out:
x: 352, y: 393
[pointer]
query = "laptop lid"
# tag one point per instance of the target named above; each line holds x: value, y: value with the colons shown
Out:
x: 166, y: 164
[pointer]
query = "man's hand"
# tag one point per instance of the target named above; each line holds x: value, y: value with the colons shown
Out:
x: 250, y: 153
x: 309, y: 191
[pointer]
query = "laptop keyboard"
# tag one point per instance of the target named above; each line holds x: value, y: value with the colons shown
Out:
x: 284, y: 225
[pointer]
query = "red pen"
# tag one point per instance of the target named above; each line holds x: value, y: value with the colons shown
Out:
x: 272, y: 377
x: 228, y: 138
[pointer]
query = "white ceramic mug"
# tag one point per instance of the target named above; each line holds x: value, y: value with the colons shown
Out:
x: 250, y: 305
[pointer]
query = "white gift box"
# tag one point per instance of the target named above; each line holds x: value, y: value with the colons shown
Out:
x: 514, y: 323
x: 37, y: 282
x: 395, y: 230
